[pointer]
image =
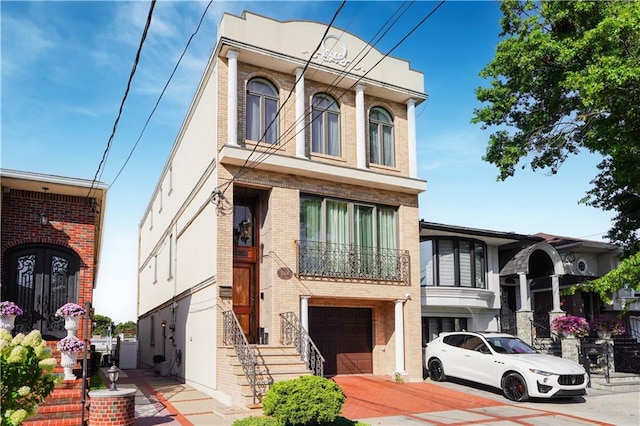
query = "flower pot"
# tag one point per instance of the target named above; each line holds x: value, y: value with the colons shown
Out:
x: 604, y: 334
x: 7, y: 322
x: 68, y: 361
x: 71, y: 325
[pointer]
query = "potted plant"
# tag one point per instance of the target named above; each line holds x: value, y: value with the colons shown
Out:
x: 69, y: 348
x: 71, y: 312
x: 571, y: 326
x: 8, y: 313
x: 605, y: 328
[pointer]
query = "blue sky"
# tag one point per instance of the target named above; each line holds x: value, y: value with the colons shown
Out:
x: 65, y: 67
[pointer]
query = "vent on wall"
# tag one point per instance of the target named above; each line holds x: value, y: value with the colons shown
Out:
x: 582, y: 265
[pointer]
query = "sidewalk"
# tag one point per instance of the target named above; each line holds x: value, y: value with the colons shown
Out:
x: 164, y: 401
x: 380, y: 401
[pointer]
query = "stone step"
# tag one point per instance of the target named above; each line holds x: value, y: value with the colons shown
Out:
x: 618, y: 382
x: 68, y: 421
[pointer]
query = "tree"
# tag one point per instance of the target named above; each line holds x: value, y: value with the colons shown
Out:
x: 566, y: 78
x: 128, y: 328
x: 101, y: 324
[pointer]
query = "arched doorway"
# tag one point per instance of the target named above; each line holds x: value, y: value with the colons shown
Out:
x: 40, y: 279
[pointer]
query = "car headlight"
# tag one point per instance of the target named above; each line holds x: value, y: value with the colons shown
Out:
x: 540, y: 372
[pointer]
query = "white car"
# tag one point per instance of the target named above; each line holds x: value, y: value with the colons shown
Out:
x: 506, y: 362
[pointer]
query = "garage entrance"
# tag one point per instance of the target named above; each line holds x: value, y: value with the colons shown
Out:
x: 344, y: 337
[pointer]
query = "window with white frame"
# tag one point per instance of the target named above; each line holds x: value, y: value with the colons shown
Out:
x: 325, y: 125
x: 381, y: 144
x: 453, y: 262
x: 348, y: 239
x: 262, y: 111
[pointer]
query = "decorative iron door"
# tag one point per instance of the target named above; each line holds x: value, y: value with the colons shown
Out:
x: 40, y: 280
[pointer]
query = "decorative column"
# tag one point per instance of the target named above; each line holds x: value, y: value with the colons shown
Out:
x: 304, y: 311
x: 304, y: 323
x: 555, y: 290
x: 361, y: 148
x: 411, y: 131
x: 399, y: 332
x: 525, y: 292
x: 232, y: 98
x: 300, y: 115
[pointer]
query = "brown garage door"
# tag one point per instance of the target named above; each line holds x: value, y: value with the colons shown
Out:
x: 344, y: 337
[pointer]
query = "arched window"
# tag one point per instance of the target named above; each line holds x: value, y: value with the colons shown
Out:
x: 262, y: 111
x: 325, y: 127
x: 381, y: 149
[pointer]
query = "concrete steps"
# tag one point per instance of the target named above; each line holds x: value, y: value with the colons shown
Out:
x: 618, y: 382
x: 275, y: 363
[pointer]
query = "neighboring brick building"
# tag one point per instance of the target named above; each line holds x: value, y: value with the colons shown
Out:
x: 51, y: 234
x: 290, y: 199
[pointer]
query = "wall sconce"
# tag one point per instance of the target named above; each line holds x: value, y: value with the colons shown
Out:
x: 44, y: 218
x: 114, y: 374
x: 246, y: 229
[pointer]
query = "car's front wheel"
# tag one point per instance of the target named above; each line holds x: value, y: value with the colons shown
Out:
x: 436, y: 372
x: 515, y: 388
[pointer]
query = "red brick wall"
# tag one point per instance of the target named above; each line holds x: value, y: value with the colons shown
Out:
x: 112, y: 411
x: 71, y: 225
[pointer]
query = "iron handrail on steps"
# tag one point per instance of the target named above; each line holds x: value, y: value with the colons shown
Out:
x: 292, y: 332
x: 233, y: 335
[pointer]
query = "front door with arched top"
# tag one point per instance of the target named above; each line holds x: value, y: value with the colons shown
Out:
x: 40, y: 279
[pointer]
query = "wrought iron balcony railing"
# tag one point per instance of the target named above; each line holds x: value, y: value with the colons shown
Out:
x: 293, y: 333
x: 349, y: 261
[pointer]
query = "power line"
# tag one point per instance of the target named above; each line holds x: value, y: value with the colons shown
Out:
x: 124, y: 98
x: 266, y: 155
x: 340, y: 76
x: 306, y: 65
x: 175, y: 68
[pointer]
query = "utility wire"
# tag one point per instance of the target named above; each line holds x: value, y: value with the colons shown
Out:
x: 175, y: 68
x: 306, y: 65
x: 244, y: 169
x: 124, y: 98
x: 340, y: 76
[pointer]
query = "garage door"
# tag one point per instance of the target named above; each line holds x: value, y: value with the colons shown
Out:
x: 344, y: 337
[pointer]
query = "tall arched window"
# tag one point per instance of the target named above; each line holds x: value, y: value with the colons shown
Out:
x: 325, y: 127
x: 262, y: 110
x: 381, y: 149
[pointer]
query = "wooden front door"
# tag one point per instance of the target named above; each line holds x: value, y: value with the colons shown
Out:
x: 245, y: 263
x: 244, y: 289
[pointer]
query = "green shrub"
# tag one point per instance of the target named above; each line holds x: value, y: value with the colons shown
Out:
x: 255, y: 421
x: 307, y: 400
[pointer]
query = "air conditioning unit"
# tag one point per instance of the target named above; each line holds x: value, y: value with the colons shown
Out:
x: 626, y: 293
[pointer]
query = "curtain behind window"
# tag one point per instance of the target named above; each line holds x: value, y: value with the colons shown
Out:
x: 464, y: 250
x: 446, y: 263
x: 387, y: 146
x: 373, y: 143
x: 333, y: 134
x: 271, y: 121
x: 337, y: 225
x: 253, y: 117
x: 310, y: 219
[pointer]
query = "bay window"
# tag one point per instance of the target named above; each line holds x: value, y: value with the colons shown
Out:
x: 453, y: 262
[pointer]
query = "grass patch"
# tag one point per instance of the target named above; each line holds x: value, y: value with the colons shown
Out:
x: 96, y: 382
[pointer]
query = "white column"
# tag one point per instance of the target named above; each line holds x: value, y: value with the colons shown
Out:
x: 232, y: 98
x: 300, y: 115
x: 399, y: 331
x: 361, y: 148
x: 555, y: 291
x: 411, y: 130
x: 525, y: 294
x: 304, y: 312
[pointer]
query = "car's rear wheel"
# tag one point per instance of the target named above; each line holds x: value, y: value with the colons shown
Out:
x: 514, y: 387
x: 436, y: 371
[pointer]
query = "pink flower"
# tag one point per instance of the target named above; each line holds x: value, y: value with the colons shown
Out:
x: 570, y: 324
x: 9, y: 309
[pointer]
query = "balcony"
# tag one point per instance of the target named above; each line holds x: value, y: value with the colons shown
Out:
x: 352, y: 262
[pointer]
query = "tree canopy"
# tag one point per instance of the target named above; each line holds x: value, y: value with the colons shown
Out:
x: 566, y: 78
x: 101, y: 324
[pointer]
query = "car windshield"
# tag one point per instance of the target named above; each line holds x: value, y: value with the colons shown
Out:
x: 509, y: 345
